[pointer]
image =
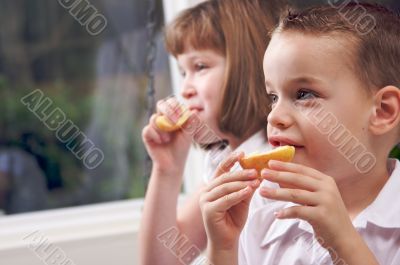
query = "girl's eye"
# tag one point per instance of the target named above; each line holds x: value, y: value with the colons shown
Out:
x: 272, y: 98
x: 303, y: 94
x: 200, y: 66
x: 181, y: 71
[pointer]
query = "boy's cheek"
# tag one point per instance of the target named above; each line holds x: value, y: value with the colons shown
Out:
x: 269, y: 127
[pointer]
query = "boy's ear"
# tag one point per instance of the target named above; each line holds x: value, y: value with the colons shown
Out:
x: 386, y: 112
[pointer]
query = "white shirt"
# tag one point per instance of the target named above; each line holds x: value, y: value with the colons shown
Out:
x: 266, y: 240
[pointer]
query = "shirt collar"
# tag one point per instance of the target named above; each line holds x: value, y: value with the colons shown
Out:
x: 257, y: 142
x: 384, y: 211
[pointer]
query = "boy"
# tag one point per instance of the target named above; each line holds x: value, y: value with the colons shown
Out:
x: 335, y: 96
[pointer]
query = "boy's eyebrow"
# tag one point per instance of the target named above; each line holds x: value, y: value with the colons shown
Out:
x: 267, y: 84
x: 301, y: 79
x: 306, y: 79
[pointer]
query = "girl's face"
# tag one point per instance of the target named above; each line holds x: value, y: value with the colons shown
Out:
x: 203, y: 77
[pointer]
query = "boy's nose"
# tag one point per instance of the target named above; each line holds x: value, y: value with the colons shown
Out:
x: 280, y: 116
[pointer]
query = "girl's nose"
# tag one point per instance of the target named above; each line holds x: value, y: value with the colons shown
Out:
x: 188, y: 90
x: 188, y: 93
x: 280, y: 116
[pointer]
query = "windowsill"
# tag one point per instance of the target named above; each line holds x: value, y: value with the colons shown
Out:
x: 75, y: 223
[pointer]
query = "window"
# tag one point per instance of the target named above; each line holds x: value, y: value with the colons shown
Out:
x: 73, y: 80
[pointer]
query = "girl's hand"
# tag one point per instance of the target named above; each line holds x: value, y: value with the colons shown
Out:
x: 225, y: 202
x: 168, y: 151
x: 320, y: 202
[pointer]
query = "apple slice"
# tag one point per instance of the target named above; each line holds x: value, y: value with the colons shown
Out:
x: 260, y: 160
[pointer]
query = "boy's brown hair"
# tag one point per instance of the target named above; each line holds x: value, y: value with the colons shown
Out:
x: 372, y: 31
x: 238, y: 30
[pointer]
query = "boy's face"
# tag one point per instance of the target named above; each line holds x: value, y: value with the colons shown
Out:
x: 314, y: 90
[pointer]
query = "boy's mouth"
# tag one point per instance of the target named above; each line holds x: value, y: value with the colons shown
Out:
x: 277, y: 141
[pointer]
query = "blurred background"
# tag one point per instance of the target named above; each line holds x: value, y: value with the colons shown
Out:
x: 100, y: 84
x: 98, y: 81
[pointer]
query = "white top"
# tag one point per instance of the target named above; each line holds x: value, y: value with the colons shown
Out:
x: 267, y: 240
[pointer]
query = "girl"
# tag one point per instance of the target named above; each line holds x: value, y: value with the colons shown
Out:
x: 219, y: 46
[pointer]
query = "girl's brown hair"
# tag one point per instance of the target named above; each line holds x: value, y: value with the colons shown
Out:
x: 238, y: 30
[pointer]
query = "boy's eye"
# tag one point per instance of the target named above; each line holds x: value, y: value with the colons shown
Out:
x: 304, y: 94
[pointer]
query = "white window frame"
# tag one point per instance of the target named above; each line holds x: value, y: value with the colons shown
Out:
x: 194, y: 166
x: 98, y: 234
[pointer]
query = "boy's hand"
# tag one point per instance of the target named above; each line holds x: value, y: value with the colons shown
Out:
x: 320, y: 202
x: 225, y: 202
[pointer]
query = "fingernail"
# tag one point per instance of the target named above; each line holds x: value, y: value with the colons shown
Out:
x: 278, y: 214
x: 273, y: 162
x: 255, y: 183
x: 175, y: 117
x: 252, y: 173
x: 266, y: 190
x: 266, y: 172
x: 236, y: 154
x: 245, y: 190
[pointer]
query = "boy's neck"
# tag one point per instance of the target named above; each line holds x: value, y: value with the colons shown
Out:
x: 359, y: 191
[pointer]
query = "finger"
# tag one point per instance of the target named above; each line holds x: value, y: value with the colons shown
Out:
x: 174, y: 104
x: 295, y: 168
x: 289, y: 178
x: 301, y: 212
x: 302, y: 197
x: 228, y: 201
x: 241, y: 175
x: 229, y: 188
x: 170, y: 108
x: 152, y: 121
x: 160, y: 106
x: 228, y: 163
x: 174, y: 109
x: 149, y: 135
x: 164, y: 136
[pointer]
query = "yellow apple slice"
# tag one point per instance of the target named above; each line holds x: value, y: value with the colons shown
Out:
x: 164, y: 124
x: 260, y: 160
